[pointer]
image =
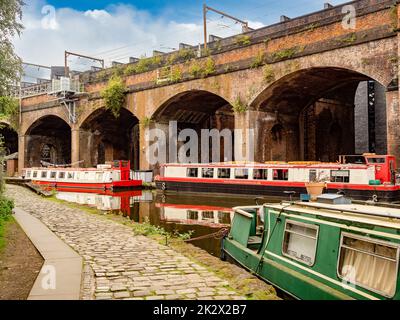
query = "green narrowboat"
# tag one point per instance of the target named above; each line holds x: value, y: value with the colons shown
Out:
x: 319, y: 251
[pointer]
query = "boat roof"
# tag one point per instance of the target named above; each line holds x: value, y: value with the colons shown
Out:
x: 71, y: 169
x: 282, y: 165
x: 368, y: 214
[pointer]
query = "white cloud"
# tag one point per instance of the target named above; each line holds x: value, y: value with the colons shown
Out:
x: 99, y: 32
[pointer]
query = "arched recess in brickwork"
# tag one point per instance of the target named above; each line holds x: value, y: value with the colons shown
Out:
x: 8, y: 138
x: 197, y: 110
x: 104, y: 137
x: 310, y: 102
x: 48, y: 140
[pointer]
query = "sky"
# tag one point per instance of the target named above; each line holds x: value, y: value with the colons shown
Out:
x: 115, y: 30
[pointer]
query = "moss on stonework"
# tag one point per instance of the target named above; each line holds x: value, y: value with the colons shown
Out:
x: 349, y: 39
x: 268, y: 74
x: 394, y: 17
x: 259, y: 60
x: 284, y: 54
x: 243, y: 40
x: 239, y: 106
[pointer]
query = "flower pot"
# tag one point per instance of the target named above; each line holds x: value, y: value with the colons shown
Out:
x: 315, y: 189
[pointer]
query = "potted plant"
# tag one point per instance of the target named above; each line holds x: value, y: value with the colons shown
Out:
x: 316, y: 186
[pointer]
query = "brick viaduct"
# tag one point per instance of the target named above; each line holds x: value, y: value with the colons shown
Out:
x: 293, y: 82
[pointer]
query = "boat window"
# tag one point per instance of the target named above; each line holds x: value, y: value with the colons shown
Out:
x: 44, y: 174
x: 192, y: 172
x: 53, y: 175
x: 369, y: 264
x: 281, y: 174
x: 377, y: 160
x: 242, y: 174
x: 28, y: 174
x: 260, y: 174
x: 99, y: 176
x: 208, y: 173
x: 224, y: 173
x: 313, y: 175
x: 70, y: 175
x: 208, y: 215
x: 300, y: 241
x: 61, y: 175
x: 340, y: 176
x: 192, y: 215
x: 35, y: 174
x: 224, y: 217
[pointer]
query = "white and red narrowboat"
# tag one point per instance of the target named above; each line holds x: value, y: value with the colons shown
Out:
x: 195, y: 214
x: 363, y: 177
x: 113, y: 176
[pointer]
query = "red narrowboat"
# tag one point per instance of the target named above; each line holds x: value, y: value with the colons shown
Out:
x: 112, y: 176
x: 365, y: 177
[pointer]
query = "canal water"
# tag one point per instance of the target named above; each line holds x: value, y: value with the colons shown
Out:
x: 199, y: 214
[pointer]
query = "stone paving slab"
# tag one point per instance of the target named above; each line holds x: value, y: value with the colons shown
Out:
x: 60, y: 260
x: 119, y: 264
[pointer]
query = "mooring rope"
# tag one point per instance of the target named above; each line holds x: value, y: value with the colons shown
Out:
x: 216, y: 235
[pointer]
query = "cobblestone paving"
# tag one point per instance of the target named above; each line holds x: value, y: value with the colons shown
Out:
x: 118, y: 264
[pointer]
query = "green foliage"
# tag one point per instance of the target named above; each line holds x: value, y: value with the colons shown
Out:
x: 349, y: 39
x: 9, y: 111
x: 209, y: 67
x: 243, y: 40
x: 259, y: 60
x: 218, y: 45
x: 118, y: 70
x: 267, y: 41
x: 268, y: 74
x: 205, y: 52
x: 6, y: 207
x: 311, y: 27
x: 203, y: 69
x: 195, y: 69
x: 114, y: 95
x: 394, y: 18
x: 239, y: 106
x: 129, y: 70
x: 186, y: 54
x: 143, y: 65
x: 284, y: 54
x: 182, y: 55
x: 10, y: 27
x: 145, y: 122
x: 147, y: 229
x: 176, y: 75
x: 102, y: 75
x: 228, y: 68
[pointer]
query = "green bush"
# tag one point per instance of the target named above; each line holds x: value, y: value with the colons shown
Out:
x: 203, y: 69
x: 6, y: 207
x: 9, y: 111
x: 243, y: 40
x: 114, y: 95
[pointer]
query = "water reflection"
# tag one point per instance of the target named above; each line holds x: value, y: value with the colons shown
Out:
x: 200, y: 214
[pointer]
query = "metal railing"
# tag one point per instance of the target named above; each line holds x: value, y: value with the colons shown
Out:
x: 51, y: 87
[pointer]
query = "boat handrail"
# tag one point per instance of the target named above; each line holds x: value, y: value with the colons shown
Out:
x: 241, y: 211
x: 346, y: 208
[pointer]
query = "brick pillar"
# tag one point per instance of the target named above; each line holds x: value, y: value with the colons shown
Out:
x: 246, y: 143
x: 393, y: 124
x: 75, y: 155
x: 21, y: 153
x: 144, y: 145
x: 393, y: 110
